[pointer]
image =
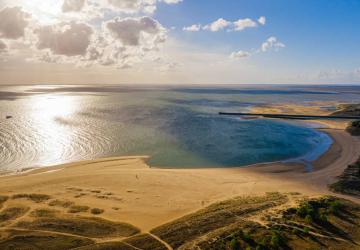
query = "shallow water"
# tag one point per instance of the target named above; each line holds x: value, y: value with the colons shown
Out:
x: 177, y: 127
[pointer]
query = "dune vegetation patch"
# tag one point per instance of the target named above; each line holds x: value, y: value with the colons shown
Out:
x: 60, y: 203
x: 97, y: 211
x: 42, y: 212
x: 38, y: 198
x: 215, y: 216
x: 145, y: 241
x: 349, y: 181
x: 83, y: 226
x: 13, y: 239
x: 78, y: 209
x: 108, y: 246
x: 12, y: 213
x: 320, y: 223
x: 3, y: 199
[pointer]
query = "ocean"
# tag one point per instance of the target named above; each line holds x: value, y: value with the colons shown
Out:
x: 177, y: 126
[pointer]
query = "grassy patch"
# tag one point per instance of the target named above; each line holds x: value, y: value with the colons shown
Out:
x: 96, y: 211
x: 3, y: 199
x: 213, y: 217
x: 84, y: 226
x: 38, y: 198
x: 35, y: 240
x: 12, y: 213
x: 78, y: 209
x: 349, y: 181
x: 44, y: 213
x: 60, y: 203
x: 146, y: 242
x: 322, y: 223
x: 108, y: 246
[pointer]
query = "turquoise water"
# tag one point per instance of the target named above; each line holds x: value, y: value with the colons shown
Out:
x: 177, y: 127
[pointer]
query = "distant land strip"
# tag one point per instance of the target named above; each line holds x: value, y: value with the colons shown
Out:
x: 290, y: 116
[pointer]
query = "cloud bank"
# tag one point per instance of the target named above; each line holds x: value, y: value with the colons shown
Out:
x: 84, y: 32
x: 223, y: 24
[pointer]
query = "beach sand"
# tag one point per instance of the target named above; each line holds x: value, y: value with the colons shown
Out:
x: 128, y: 190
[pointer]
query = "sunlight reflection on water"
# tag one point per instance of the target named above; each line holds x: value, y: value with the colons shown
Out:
x: 176, y: 128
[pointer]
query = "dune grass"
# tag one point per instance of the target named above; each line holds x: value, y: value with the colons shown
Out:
x: 38, y: 198
x: 44, y: 213
x: 108, y: 246
x: 13, y: 239
x: 83, y: 226
x: 78, y: 209
x: 215, y: 216
x: 145, y: 241
x: 60, y: 203
x: 12, y: 213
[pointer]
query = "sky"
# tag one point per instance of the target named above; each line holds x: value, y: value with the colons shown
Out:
x: 179, y: 41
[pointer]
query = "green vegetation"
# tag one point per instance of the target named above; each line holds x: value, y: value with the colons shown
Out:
x: 96, y: 211
x: 349, y: 181
x: 316, y: 211
x: 234, y: 244
x: 315, y: 224
x: 82, y: 226
x: 78, y: 209
x: 320, y: 223
x: 38, y: 198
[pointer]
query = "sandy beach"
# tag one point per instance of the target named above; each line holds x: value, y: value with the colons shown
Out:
x: 129, y: 190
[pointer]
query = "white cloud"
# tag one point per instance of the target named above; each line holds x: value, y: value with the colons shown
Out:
x: 239, y: 54
x: 135, y: 6
x: 172, y: 1
x: 68, y: 39
x: 129, y: 6
x: 242, y: 24
x: 73, y: 5
x: 271, y: 43
x: 64, y: 33
x: 262, y: 20
x: 13, y: 21
x: 136, y: 31
x: 193, y: 28
x: 219, y: 24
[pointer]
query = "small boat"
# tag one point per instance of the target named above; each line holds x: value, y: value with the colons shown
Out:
x: 9, y: 117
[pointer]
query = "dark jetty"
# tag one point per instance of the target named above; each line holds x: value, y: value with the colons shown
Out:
x: 297, y: 117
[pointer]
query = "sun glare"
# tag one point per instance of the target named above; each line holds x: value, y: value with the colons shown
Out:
x: 46, y: 12
x: 47, y: 111
x: 54, y: 105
